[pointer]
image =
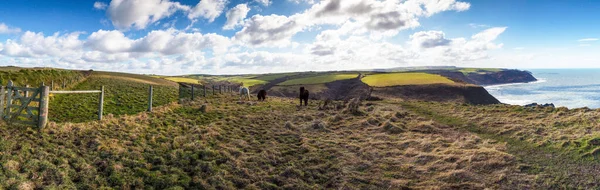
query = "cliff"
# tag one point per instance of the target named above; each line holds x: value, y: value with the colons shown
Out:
x: 440, y: 93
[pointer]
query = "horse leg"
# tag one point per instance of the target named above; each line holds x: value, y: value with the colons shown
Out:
x: 306, y: 102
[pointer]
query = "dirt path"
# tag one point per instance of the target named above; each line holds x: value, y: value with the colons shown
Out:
x: 554, y: 168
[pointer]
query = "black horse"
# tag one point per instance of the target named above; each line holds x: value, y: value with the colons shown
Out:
x: 303, y: 96
x: 262, y: 95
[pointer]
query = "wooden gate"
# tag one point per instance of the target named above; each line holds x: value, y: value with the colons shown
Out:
x: 24, y: 105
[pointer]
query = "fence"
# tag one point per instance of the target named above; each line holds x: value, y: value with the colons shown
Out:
x: 26, y: 105
x: 194, y: 91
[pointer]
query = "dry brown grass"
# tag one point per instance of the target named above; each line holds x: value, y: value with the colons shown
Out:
x: 266, y: 145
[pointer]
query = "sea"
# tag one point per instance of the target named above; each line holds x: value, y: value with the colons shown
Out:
x: 571, y: 88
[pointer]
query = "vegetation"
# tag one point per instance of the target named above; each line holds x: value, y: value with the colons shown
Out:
x: 124, y: 94
x: 271, y: 77
x: 35, y: 77
x: 396, y: 79
x: 183, y: 79
x: 319, y: 79
x: 217, y: 143
x: 559, y: 146
x: 248, y: 82
x: 478, y: 70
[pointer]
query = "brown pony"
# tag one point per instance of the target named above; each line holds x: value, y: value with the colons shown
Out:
x: 262, y: 95
x: 303, y: 96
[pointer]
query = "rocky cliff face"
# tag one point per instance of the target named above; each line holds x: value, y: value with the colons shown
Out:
x: 440, y: 93
x: 489, y: 78
x: 501, y: 77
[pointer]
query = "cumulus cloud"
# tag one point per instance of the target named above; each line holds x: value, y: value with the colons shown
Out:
x: 32, y: 44
x: 264, y: 2
x: 208, y: 9
x: 236, y: 16
x: 272, y: 30
x: 100, y: 5
x: 429, y: 39
x: 380, y: 18
x: 138, y: 14
x: 4, y: 29
x: 167, y: 42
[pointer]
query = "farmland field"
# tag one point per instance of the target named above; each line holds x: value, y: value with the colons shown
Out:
x: 270, y: 77
x: 183, y: 79
x: 397, y: 79
x: 123, y: 95
x: 320, y: 79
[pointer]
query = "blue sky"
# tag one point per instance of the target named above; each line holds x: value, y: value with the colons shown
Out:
x: 188, y: 36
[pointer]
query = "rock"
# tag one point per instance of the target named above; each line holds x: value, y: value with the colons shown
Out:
x: 203, y: 108
x: 532, y: 105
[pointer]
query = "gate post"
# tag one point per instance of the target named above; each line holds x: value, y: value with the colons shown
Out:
x: 8, y: 98
x: 193, y: 94
x: 2, y: 102
x: 204, y: 86
x: 43, y: 112
x: 150, y: 99
x: 101, y: 103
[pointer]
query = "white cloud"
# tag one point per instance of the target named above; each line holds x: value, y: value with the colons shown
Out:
x: 380, y: 18
x: 100, y: 5
x: 4, y: 29
x: 236, y: 16
x: 165, y: 42
x: 208, y: 9
x: 138, y: 14
x: 587, y: 40
x: 264, y: 2
x: 429, y: 39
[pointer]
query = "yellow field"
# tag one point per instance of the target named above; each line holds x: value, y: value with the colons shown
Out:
x: 183, y: 79
x: 247, y: 82
x: 318, y: 79
x: 398, y: 79
x: 478, y: 70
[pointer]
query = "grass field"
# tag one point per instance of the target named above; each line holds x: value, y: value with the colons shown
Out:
x: 397, y: 79
x: 124, y: 94
x: 269, y: 145
x: 270, y: 77
x: 183, y: 79
x: 34, y: 77
x: 478, y: 70
x: 248, y: 82
x: 319, y: 79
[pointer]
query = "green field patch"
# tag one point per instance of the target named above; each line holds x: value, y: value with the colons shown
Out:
x: 320, y: 79
x: 478, y: 70
x: 122, y: 96
x: 183, y: 79
x: 399, y: 79
x: 270, y: 77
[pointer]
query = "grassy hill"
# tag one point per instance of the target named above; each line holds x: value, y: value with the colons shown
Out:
x: 124, y: 94
x: 220, y: 143
x: 35, y: 77
x: 398, y: 79
x: 319, y: 79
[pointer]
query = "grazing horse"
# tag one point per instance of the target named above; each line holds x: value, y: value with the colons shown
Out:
x: 303, y: 96
x: 262, y: 95
x: 244, y: 93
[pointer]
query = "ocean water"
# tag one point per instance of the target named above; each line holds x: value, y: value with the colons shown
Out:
x: 572, y: 88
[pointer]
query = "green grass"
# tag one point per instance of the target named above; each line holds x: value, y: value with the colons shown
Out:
x: 478, y: 70
x: 34, y: 77
x: 319, y: 79
x: 271, y: 77
x: 183, y: 79
x: 398, y: 79
x: 122, y: 96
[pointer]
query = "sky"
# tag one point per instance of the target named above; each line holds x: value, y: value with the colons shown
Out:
x: 174, y: 37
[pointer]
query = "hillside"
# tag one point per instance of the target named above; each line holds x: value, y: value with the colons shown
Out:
x: 400, y: 142
x: 124, y: 94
